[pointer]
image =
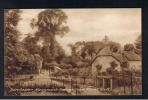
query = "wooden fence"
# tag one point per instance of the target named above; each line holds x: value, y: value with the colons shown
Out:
x: 120, y: 84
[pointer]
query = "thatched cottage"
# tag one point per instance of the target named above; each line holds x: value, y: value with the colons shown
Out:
x: 104, y: 59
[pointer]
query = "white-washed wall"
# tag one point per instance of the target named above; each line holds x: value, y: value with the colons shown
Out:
x: 136, y: 65
x: 105, y: 62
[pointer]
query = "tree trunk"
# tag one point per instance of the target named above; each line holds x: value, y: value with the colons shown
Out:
x: 52, y: 45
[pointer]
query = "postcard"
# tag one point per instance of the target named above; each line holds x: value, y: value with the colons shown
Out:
x: 72, y: 52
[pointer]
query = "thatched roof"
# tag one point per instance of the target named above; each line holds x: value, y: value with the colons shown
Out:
x: 131, y: 56
x: 107, y: 52
x: 121, y: 57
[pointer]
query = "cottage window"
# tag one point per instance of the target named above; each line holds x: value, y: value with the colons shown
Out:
x: 124, y: 65
x: 99, y: 67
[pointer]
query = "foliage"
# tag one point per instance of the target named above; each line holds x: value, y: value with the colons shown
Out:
x: 19, y: 56
x: 128, y: 47
x: 124, y: 64
x: 25, y: 55
x: 30, y: 44
x: 114, y: 47
x: 49, y: 23
x: 113, y: 64
x: 138, y: 45
x: 76, y: 49
x: 112, y: 69
x: 99, y: 67
x: 12, y: 49
x: 47, y: 55
x: 138, y: 42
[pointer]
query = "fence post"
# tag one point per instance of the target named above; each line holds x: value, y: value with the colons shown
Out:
x: 71, y: 84
x: 111, y: 84
x: 76, y: 86
x: 63, y: 81
x: 96, y: 82
x: 84, y: 82
x: 123, y: 82
x: 51, y: 80
x: 131, y: 83
x: 103, y: 83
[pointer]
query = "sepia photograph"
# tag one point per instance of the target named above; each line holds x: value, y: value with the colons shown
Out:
x: 72, y: 52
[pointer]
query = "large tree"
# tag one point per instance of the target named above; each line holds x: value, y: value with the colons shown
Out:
x: 17, y: 57
x: 138, y: 42
x: 138, y: 45
x: 11, y: 19
x: 50, y: 22
x: 47, y: 54
x: 91, y: 50
x: 31, y: 45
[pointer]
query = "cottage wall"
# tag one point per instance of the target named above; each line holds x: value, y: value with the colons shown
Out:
x: 105, y: 62
x: 136, y: 65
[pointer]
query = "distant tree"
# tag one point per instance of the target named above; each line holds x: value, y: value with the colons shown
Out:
x: 138, y: 42
x: 83, y: 53
x: 92, y: 49
x: 114, y: 46
x: 138, y: 51
x: 72, y: 60
x: 73, y: 49
x: 106, y: 39
x: 76, y: 49
x: 128, y: 47
x: 86, y: 50
x: 138, y: 45
x: 89, y: 49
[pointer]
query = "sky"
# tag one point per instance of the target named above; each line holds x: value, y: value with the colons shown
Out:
x: 122, y: 25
